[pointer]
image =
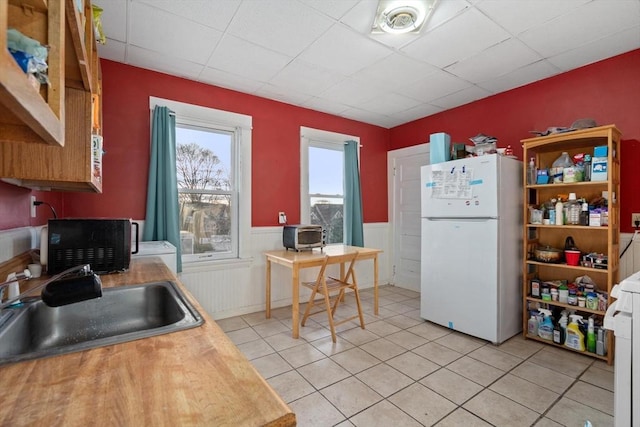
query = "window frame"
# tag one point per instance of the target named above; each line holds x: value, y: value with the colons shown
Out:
x: 310, y: 137
x: 190, y: 115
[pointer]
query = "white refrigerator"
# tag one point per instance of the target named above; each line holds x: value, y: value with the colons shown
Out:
x: 471, y: 266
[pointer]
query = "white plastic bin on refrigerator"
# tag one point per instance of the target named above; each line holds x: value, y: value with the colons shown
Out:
x: 623, y: 318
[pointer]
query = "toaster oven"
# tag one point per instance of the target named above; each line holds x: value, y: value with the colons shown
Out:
x: 303, y: 237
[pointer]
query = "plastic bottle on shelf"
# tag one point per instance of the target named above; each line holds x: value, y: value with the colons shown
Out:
x: 559, y: 212
x: 545, y: 329
x: 532, y: 327
x: 591, y: 336
x: 573, y: 210
x: 575, y: 337
x: 587, y: 167
x: 531, y: 172
x: 584, y: 214
x: 557, y: 168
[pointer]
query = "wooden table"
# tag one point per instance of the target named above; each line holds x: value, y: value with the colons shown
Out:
x: 306, y: 259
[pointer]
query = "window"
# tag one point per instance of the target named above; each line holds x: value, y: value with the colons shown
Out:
x: 213, y: 164
x: 322, y: 169
x: 207, y: 193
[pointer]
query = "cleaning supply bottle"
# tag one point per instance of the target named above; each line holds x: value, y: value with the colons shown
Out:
x: 563, y: 326
x: 545, y: 329
x: 532, y: 327
x: 575, y: 337
x: 591, y: 337
x: 559, y: 212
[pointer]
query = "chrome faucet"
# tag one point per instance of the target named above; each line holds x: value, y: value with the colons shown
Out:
x: 52, y: 296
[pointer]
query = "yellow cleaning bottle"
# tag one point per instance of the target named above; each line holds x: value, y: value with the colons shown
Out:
x: 575, y: 338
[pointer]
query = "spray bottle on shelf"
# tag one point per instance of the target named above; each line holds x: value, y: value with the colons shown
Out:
x: 575, y: 337
x: 591, y: 336
x: 545, y: 329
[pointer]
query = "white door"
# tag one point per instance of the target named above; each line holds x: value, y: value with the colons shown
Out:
x: 404, y: 213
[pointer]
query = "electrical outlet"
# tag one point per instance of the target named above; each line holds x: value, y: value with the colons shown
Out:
x: 33, y: 206
x: 635, y: 220
x: 282, y: 218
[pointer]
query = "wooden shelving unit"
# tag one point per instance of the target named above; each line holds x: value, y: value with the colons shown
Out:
x: 600, y: 239
x: 70, y: 167
x: 26, y: 114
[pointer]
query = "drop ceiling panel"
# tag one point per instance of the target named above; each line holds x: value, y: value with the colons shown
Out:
x: 394, y: 71
x: 306, y: 78
x: 343, y: 50
x: 116, y: 15
x: 383, y: 102
x: 333, y: 8
x: 114, y: 50
x: 434, y: 86
x: 490, y: 63
x: 238, y: 56
x: 284, y: 26
x: 462, y: 37
x: 465, y: 96
x: 214, y: 14
x: 180, y: 38
x: 150, y: 60
x: 615, y: 44
x: 229, y: 80
x: 520, y: 77
x: 350, y: 92
x: 528, y: 13
x: 594, y: 21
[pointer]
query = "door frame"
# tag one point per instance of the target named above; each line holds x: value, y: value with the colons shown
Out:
x: 392, y: 157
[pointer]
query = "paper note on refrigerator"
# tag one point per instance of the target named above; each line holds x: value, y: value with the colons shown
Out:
x: 451, y: 184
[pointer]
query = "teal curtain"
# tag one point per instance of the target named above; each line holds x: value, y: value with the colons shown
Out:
x: 353, y: 232
x: 162, y: 221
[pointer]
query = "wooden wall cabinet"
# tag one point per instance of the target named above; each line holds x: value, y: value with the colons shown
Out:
x: 26, y: 114
x: 600, y: 239
x: 75, y: 166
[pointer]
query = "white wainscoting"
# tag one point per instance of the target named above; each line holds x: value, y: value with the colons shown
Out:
x: 16, y: 241
x: 231, y: 289
x: 630, y: 260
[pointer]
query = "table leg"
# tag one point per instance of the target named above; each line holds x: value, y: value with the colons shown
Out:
x: 375, y: 285
x: 295, y: 306
x: 268, y: 305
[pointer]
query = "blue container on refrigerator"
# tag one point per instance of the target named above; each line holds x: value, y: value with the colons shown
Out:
x: 439, y: 147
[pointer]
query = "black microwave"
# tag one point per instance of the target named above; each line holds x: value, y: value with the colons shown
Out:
x: 104, y: 243
x: 303, y: 237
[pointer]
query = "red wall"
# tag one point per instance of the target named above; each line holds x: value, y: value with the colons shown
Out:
x: 607, y: 91
x: 275, y: 155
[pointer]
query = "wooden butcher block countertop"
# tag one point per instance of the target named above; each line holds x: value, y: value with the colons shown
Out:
x: 194, y: 377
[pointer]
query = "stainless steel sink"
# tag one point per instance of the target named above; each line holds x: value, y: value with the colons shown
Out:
x: 122, y: 314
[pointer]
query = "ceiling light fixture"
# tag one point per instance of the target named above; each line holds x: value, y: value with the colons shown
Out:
x: 401, y: 16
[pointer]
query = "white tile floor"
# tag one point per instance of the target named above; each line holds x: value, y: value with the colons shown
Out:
x: 403, y: 371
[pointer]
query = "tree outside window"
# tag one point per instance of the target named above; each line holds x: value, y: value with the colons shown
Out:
x: 206, y: 190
